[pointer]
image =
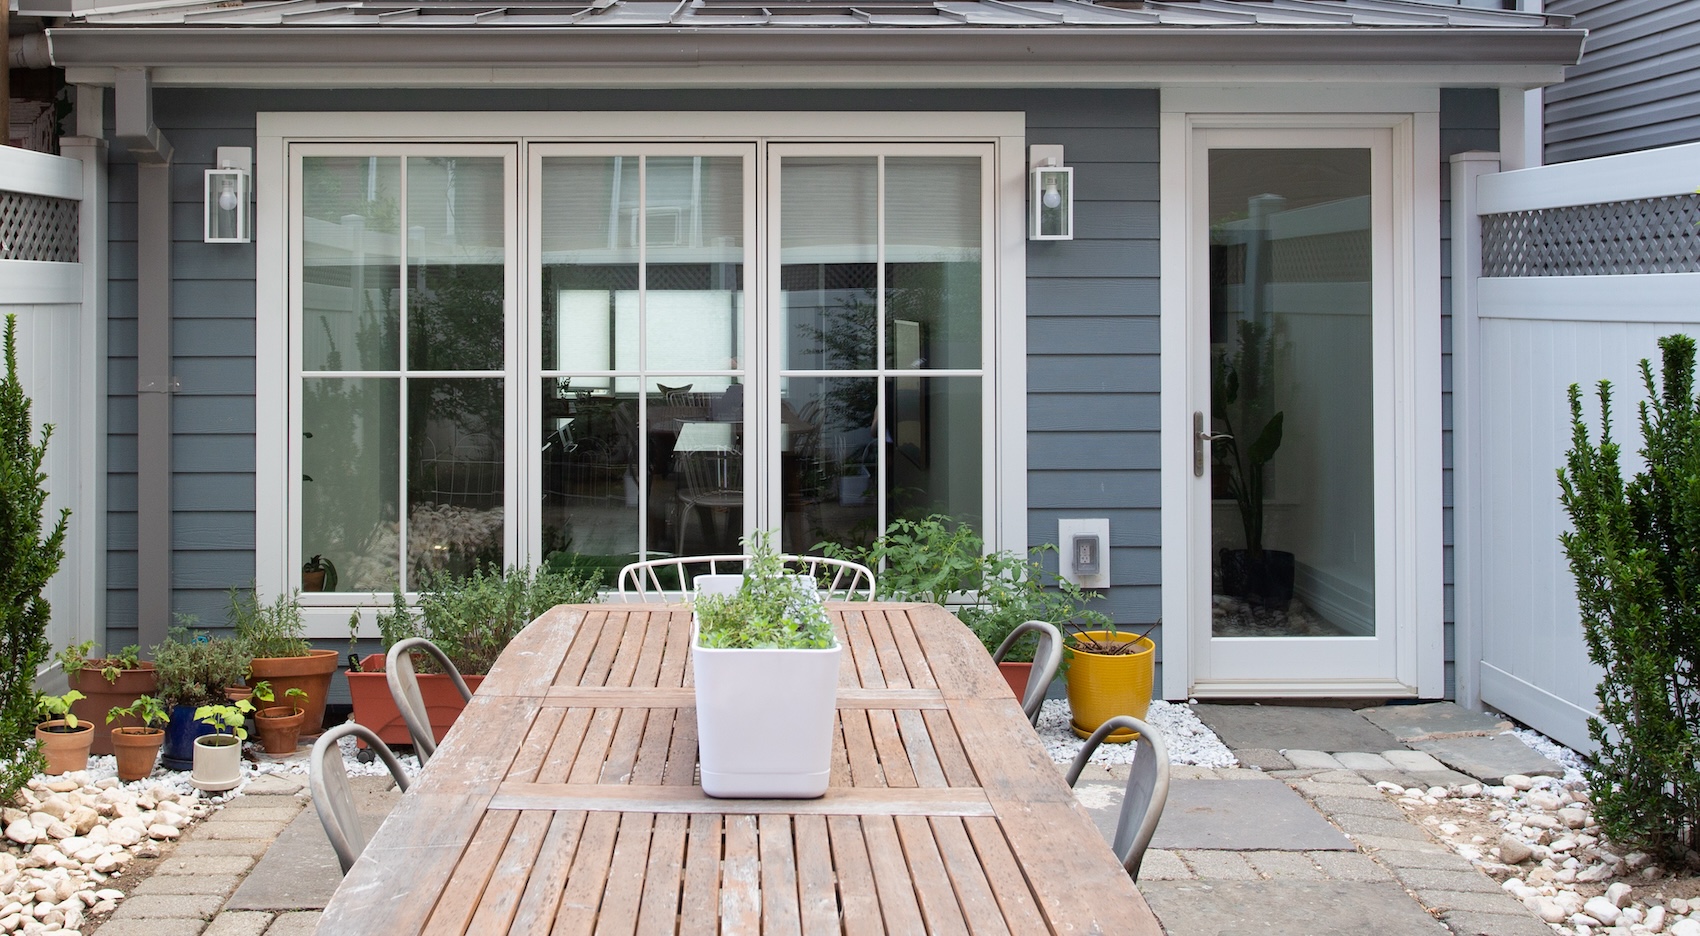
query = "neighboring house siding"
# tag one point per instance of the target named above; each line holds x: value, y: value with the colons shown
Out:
x: 1469, y: 120
x: 1638, y: 85
x: 1092, y: 333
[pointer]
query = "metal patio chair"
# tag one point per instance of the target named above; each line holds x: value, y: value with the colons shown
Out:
x: 1047, y: 659
x: 1147, y: 788
x: 327, y: 777
x: 404, y: 689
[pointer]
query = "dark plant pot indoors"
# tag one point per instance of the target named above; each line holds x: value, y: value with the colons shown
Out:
x: 1265, y: 582
x: 180, y: 735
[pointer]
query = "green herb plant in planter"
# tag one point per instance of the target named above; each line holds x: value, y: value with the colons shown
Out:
x: 137, y: 746
x: 106, y: 682
x: 279, y: 725
x: 274, y: 635
x: 766, y: 665
x: 194, y: 668
x: 218, y: 755
x: 471, y: 619
x: 64, y: 737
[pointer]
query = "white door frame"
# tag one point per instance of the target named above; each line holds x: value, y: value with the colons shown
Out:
x: 1413, y: 559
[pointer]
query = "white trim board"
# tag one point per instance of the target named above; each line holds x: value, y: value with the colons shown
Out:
x: 41, y: 282
x: 656, y: 126
x: 1635, y: 297
x: 1648, y: 174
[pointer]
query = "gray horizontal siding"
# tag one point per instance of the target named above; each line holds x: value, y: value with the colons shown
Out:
x: 1638, y: 84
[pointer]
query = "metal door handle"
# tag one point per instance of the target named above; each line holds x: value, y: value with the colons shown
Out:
x: 1200, y: 435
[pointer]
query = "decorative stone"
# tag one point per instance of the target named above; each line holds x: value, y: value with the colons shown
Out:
x: 1573, y: 818
x: 1513, y: 851
x: 1595, y: 874
x: 1518, y: 782
x: 107, y: 893
x: 23, y: 832
x: 1685, y: 928
x: 1655, y: 919
x: 1618, y: 894
x: 63, y: 784
x: 124, y: 835
x: 1601, y: 909
x: 160, y: 830
x: 1546, y: 908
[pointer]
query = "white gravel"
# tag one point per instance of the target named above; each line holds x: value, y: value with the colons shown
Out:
x: 1188, y: 741
x: 1571, y: 761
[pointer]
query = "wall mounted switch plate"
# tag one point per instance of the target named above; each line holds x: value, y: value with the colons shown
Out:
x: 1084, y: 552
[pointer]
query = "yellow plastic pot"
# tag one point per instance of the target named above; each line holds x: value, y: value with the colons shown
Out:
x: 1102, y: 686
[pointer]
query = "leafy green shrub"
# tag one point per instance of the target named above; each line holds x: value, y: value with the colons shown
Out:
x: 194, y: 668
x: 269, y: 631
x: 77, y: 656
x: 1635, y: 554
x: 27, y: 560
x: 940, y: 561
x: 773, y: 609
x: 472, y: 618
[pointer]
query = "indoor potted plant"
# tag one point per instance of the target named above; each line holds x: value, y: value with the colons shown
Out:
x: 1108, y: 672
x: 137, y: 746
x: 64, y: 737
x: 318, y: 574
x: 193, y: 670
x: 106, y: 682
x: 218, y: 754
x: 1242, y: 392
x: 766, y: 667
x: 273, y: 635
x: 471, y: 619
x: 279, y: 725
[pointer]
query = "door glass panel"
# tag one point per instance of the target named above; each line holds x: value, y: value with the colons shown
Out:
x: 350, y: 478
x: 1292, y: 519
x: 829, y: 461
x: 455, y: 247
x: 455, y: 478
x: 589, y: 476
x: 694, y: 262
x: 932, y: 262
x: 828, y: 255
x: 350, y: 263
x: 697, y: 455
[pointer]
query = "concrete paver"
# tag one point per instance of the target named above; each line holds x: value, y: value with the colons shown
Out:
x: 1349, y: 866
x: 1489, y: 759
x: 1160, y: 864
x: 195, y: 847
x: 199, y: 865
x: 1494, y: 924
x: 1219, y: 865
x: 1242, y: 816
x: 1311, y: 728
x: 1472, y: 902
x: 1379, y: 807
x: 295, y: 924
x: 153, y: 906
x: 1413, y: 722
x: 152, y: 927
x: 1303, y: 759
x: 1412, y: 761
x: 172, y: 884
x: 238, y: 923
x: 1439, y: 860
x: 1362, y: 760
x: 1284, y: 865
x: 1263, y: 759
x: 1316, y: 908
x: 1420, y: 879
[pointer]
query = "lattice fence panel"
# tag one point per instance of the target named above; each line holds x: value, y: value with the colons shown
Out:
x: 35, y: 227
x: 1651, y: 235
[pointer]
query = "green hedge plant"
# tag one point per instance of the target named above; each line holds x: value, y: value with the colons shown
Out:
x: 1635, y: 553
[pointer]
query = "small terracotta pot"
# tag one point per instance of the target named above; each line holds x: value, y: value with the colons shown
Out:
x: 137, y: 750
x: 313, y: 581
x: 238, y: 693
x: 1016, y: 674
x: 67, y: 749
x: 311, y: 674
x: 280, y: 728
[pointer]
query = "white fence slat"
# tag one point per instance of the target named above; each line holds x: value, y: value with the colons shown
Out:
x: 33, y: 173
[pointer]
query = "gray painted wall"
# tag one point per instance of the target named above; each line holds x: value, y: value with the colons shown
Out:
x: 1638, y: 85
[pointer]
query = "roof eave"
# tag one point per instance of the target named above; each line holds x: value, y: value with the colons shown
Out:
x: 673, y: 47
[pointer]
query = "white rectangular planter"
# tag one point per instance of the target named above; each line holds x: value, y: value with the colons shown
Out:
x: 765, y: 720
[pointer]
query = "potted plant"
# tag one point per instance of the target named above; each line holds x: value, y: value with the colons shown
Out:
x: 279, y: 725
x: 318, y: 575
x: 273, y: 635
x: 64, y: 737
x: 137, y: 746
x: 1108, y: 672
x: 218, y: 754
x: 193, y: 668
x: 471, y: 619
x: 106, y: 682
x: 766, y: 668
x: 1241, y: 392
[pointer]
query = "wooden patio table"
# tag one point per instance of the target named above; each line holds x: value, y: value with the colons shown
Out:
x: 564, y: 800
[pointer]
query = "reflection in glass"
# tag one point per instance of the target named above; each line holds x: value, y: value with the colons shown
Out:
x: 694, y: 252
x: 590, y: 477
x: 590, y: 260
x: 829, y: 464
x: 1293, y: 520
x: 829, y: 221
x: 455, y: 475
x: 455, y: 255
x: 932, y: 262
x: 350, y: 263
x: 933, y: 462
x: 697, y: 451
x: 350, y: 485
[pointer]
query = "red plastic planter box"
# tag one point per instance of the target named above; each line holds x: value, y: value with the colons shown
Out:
x: 374, y: 708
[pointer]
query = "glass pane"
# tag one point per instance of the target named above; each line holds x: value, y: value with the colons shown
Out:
x: 829, y: 464
x: 829, y: 220
x: 932, y: 262
x: 694, y: 224
x: 590, y: 478
x: 350, y: 263
x: 455, y: 253
x: 932, y: 437
x: 590, y: 266
x: 350, y: 484
x: 696, y: 457
x: 1293, y: 490
x: 455, y: 475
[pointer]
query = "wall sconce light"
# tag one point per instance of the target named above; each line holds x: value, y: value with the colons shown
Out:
x: 229, y: 189
x: 1051, y: 202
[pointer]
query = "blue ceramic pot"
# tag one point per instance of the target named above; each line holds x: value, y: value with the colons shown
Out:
x: 180, y: 735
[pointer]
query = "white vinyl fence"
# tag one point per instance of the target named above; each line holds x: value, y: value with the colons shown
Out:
x: 42, y: 283
x: 1583, y: 266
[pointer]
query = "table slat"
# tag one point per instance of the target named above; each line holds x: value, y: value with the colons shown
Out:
x: 659, y: 913
x: 588, y: 875
x: 816, y: 895
x: 542, y: 897
x: 624, y: 889
x: 1009, y: 886
x: 838, y: 801
x: 779, y: 911
x: 926, y: 870
x: 513, y: 871
x: 740, y: 885
x: 680, y: 697
x: 892, y: 880
x: 885, y: 650
x: 968, y: 878
x: 702, y: 878
x: 458, y: 901
x: 859, y: 904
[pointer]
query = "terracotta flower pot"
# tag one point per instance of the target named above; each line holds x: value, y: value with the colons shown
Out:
x: 1102, y: 686
x: 1016, y: 674
x: 311, y: 674
x: 137, y: 750
x: 238, y: 693
x: 100, y: 697
x: 67, y: 749
x: 218, y: 763
x: 280, y: 728
x: 375, y: 708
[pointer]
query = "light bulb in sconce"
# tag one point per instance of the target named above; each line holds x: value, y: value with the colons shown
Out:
x: 227, y: 200
x: 1052, y: 197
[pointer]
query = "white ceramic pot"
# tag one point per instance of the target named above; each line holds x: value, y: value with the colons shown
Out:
x: 218, y: 762
x: 765, y: 720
